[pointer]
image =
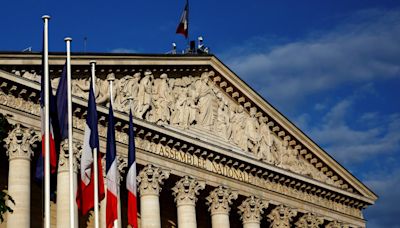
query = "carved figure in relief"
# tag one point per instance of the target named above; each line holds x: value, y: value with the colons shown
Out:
x: 264, y: 146
x: 223, y: 126
x: 82, y: 86
x: 145, y: 94
x: 130, y: 89
x: 290, y: 160
x: 207, y: 102
x: 275, y: 152
x: 162, y: 100
x: 185, y: 110
x: 252, y: 131
x: 238, y: 127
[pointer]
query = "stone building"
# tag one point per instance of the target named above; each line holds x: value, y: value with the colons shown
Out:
x: 211, y: 151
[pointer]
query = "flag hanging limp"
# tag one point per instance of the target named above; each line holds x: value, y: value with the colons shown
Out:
x: 111, y: 172
x: 85, y: 196
x: 131, y: 177
x: 183, y: 26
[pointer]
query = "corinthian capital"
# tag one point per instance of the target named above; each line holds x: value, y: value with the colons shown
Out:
x: 63, y: 161
x: 220, y: 199
x: 20, y: 142
x: 335, y: 224
x: 309, y: 221
x: 122, y: 164
x: 281, y: 217
x: 186, y: 190
x: 251, y: 209
x: 150, y: 178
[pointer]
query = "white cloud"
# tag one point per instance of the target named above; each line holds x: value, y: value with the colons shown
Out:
x: 377, y: 136
x: 364, y: 50
x: 123, y: 50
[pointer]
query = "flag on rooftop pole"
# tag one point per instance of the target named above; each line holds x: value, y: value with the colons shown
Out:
x: 86, y: 197
x: 131, y: 176
x: 111, y: 169
x: 183, y: 26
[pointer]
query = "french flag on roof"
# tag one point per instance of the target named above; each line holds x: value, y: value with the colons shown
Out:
x: 131, y: 177
x: 111, y: 172
x: 183, y: 26
x: 85, y: 195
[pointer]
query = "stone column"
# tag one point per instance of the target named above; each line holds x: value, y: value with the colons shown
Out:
x: 281, y: 216
x: 218, y: 202
x: 63, y: 196
x: 19, y: 145
x: 185, y: 192
x: 309, y: 221
x: 149, y: 179
x: 250, y: 211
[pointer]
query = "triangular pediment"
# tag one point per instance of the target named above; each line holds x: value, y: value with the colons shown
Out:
x: 200, y: 97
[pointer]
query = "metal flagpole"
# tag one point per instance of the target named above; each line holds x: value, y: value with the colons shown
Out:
x: 111, y: 79
x: 70, y: 139
x: 95, y: 168
x: 47, y: 122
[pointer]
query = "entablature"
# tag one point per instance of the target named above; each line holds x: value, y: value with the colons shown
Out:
x: 177, y: 145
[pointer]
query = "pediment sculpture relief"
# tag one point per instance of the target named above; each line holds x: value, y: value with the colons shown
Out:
x: 196, y: 103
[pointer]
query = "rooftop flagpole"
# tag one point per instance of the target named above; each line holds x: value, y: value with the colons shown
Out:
x: 95, y: 162
x: 70, y: 139
x: 187, y: 19
x: 47, y: 122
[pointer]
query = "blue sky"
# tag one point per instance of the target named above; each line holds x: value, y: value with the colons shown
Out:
x: 331, y: 67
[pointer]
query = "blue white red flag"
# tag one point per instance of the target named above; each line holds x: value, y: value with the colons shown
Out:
x: 54, y: 130
x: 183, y: 26
x: 111, y: 172
x: 85, y: 195
x: 131, y: 177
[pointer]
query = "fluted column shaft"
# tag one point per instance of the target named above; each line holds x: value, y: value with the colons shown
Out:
x: 19, y: 149
x: 63, y: 194
x: 185, y: 192
x: 150, y: 180
x: 219, y: 202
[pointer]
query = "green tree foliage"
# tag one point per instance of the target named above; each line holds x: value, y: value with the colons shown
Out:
x: 5, y: 128
x: 4, y: 197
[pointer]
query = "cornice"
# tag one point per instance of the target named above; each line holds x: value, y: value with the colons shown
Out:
x: 285, y: 128
x: 227, y: 81
x: 183, y: 141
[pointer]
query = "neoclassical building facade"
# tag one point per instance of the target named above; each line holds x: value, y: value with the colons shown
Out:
x: 211, y: 152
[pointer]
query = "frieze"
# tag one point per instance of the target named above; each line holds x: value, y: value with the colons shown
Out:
x: 238, y: 174
x: 213, y: 166
x: 196, y: 104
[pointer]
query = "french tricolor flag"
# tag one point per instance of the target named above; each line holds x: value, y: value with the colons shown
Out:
x: 85, y: 194
x: 183, y: 26
x: 131, y: 177
x: 54, y: 140
x: 111, y: 172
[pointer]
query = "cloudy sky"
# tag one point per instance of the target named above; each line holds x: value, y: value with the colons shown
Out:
x: 331, y: 67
